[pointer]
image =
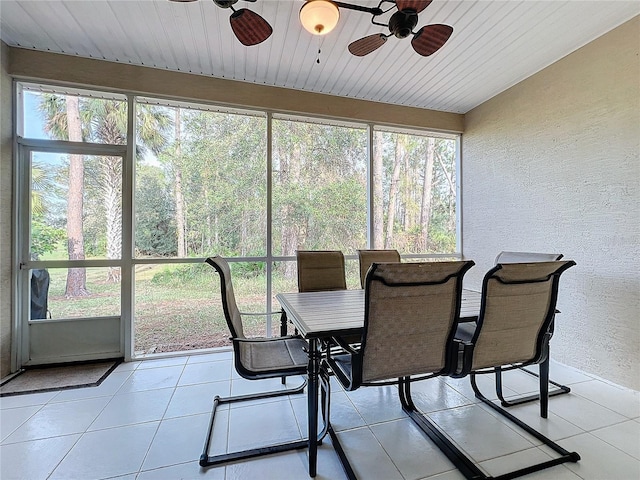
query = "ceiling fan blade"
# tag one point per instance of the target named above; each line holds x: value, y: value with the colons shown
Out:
x: 431, y: 38
x: 367, y: 44
x: 249, y: 27
x: 417, y: 5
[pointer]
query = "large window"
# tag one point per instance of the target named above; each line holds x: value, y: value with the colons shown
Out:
x: 202, y: 180
x: 200, y: 191
x: 414, y: 192
x: 319, y: 190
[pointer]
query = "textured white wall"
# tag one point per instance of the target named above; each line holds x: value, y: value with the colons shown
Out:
x: 552, y: 165
x: 5, y: 213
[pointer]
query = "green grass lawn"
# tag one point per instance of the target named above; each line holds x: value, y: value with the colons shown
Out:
x: 177, y: 307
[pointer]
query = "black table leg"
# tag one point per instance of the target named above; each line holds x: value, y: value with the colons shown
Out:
x: 312, y: 406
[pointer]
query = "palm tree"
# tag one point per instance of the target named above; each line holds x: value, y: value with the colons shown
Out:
x: 102, y: 121
x: 44, y: 238
x: 107, y: 122
x: 41, y: 182
x: 63, y: 122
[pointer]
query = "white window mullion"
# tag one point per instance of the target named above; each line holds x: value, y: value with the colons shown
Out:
x: 269, y: 266
x: 127, y: 270
x: 370, y: 199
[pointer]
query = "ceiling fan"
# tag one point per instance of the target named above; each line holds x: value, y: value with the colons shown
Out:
x: 426, y: 41
x: 319, y: 17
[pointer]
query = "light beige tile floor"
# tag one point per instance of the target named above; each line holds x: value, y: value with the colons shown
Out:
x: 147, y: 421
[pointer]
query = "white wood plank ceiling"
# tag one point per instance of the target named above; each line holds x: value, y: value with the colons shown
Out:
x: 495, y: 44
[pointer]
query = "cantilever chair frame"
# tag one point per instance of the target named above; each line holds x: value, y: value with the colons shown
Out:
x: 237, y: 339
x: 526, y: 257
x: 541, y: 355
x: 354, y: 379
x: 466, y: 466
x: 463, y: 463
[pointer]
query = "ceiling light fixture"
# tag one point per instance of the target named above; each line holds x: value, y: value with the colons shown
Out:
x: 319, y: 17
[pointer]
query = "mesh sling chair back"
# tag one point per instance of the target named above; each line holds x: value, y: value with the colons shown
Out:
x: 411, y: 311
x: 527, y: 257
x: 518, y: 305
x: 320, y: 270
x: 254, y: 359
x: 367, y: 257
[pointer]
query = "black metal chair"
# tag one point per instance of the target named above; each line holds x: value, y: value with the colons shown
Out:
x: 411, y: 312
x: 516, y: 313
x: 528, y: 257
x: 514, y: 325
x: 254, y: 359
x: 367, y: 257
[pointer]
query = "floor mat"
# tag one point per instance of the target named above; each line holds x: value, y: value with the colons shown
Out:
x: 59, y: 377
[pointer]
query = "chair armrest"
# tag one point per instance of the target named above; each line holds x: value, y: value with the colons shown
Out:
x: 344, y: 345
x: 460, y: 359
x: 283, y: 319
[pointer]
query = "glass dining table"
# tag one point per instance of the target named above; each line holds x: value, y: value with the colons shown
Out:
x: 320, y: 315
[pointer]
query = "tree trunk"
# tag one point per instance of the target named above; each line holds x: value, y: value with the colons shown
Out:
x: 378, y: 201
x: 208, y: 232
x: 393, y: 193
x: 181, y: 224
x: 112, y: 184
x: 244, y: 235
x: 180, y: 216
x: 290, y: 168
x: 407, y: 194
x: 76, y: 277
x: 451, y: 223
x: 427, y: 187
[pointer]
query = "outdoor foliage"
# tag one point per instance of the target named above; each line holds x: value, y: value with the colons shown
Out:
x: 201, y: 188
x: 44, y: 238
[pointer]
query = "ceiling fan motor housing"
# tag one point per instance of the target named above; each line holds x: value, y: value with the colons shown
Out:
x: 225, y: 3
x: 402, y: 23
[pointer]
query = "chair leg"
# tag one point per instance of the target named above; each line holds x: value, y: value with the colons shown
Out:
x: 325, y: 390
x: 544, y: 388
x: 283, y: 333
x: 462, y: 462
x: 544, y: 385
x: 208, y: 461
x: 559, y: 390
x: 325, y: 402
x: 337, y: 446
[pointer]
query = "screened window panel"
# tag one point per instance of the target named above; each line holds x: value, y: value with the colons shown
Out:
x: 414, y: 193
x: 319, y: 187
